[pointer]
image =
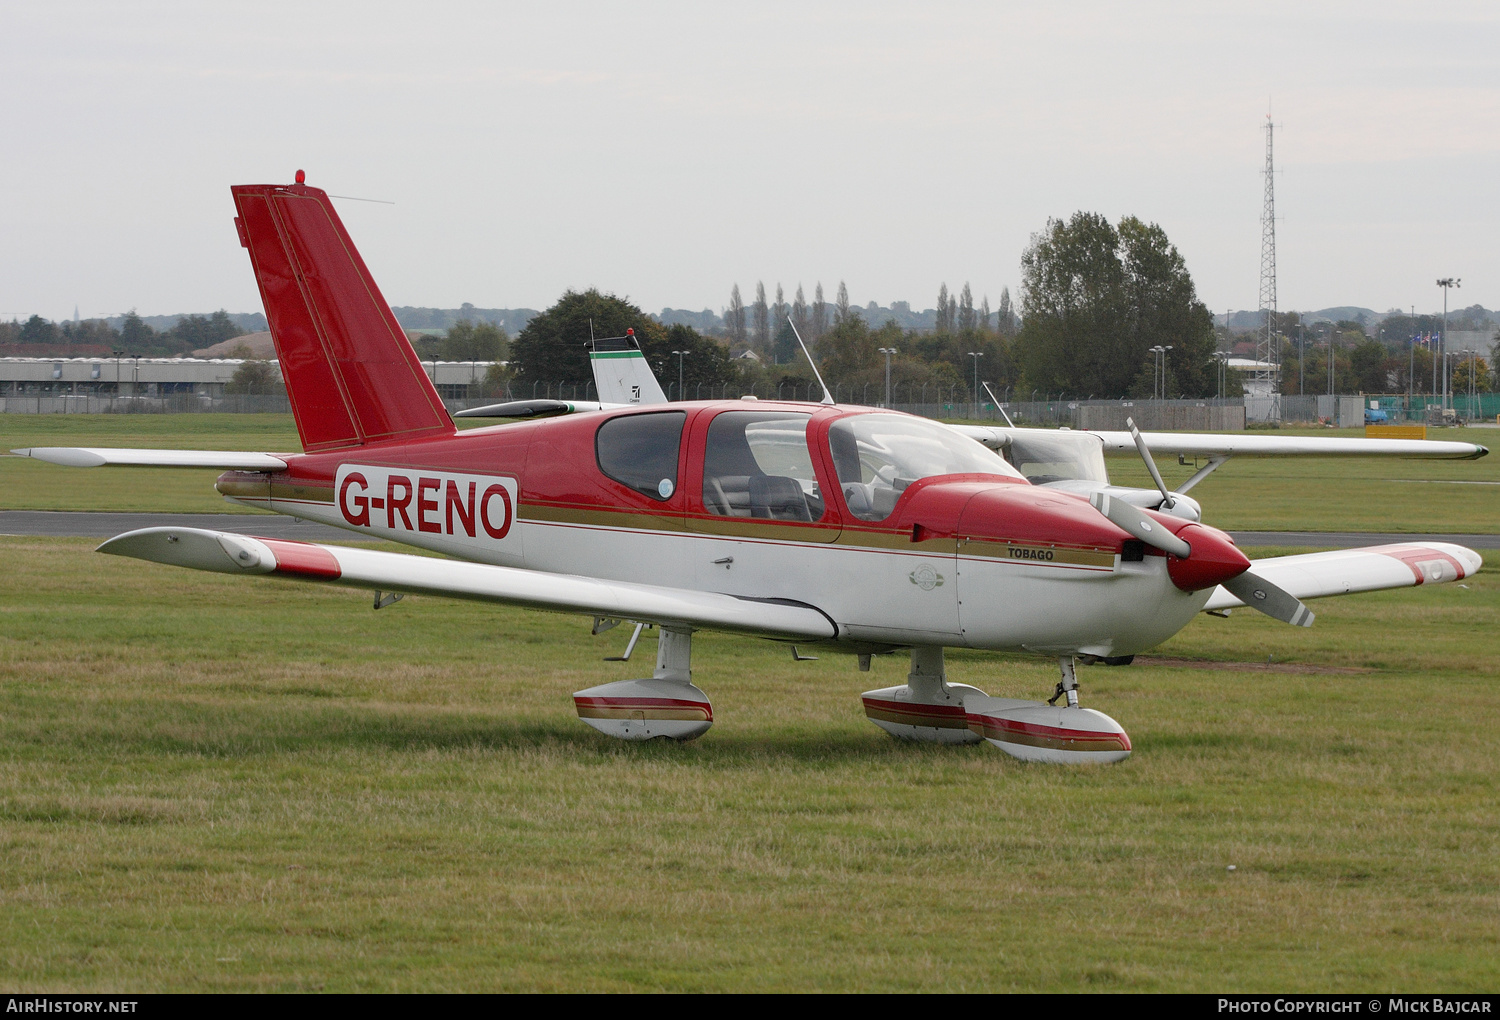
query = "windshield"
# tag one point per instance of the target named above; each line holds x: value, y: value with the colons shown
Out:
x: 1046, y: 456
x: 878, y: 455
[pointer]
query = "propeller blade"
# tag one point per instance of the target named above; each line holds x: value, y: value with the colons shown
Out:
x: 1140, y: 444
x: 1133, y: 520
x: 1260, y: 594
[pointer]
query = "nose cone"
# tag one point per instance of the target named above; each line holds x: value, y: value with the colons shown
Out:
x: 1213, y: 560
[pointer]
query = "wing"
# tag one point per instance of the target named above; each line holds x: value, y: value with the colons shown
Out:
x: 384, y: 571
x: 86, y: 456
x: 1346, y: 571
x: 1250, y: 444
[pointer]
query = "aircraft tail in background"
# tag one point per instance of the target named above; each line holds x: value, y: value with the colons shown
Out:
x: 621, y: 373
x: 349, y: 370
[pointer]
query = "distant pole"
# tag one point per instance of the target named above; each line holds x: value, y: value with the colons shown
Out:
x: 1411, y: 363
x: 1446, y: 283
x: 1330, y: 363
x: 679, y: 372
x: 976, y: 355
x: 1268, y: 346
x: 1301, y: 359
x: 888, y: 351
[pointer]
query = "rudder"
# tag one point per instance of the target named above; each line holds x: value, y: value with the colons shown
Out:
x: 350, y: 373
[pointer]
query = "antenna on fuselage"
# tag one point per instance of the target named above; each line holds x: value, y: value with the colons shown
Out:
x: 827, y: 396
x: 998, y: 406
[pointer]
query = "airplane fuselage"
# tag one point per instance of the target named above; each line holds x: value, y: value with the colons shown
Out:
x: 973, y: 560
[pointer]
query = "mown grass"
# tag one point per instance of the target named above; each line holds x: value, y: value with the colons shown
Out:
x: 208, y: 783
x: 214, y: 784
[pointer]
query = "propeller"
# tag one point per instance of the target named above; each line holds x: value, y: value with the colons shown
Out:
x: 1167, y: 499
x: 1133, y: 520
x: 1249, y: 587
x: 1258, y: 593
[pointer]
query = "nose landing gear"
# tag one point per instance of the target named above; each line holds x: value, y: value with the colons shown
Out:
x: 1033, y: 731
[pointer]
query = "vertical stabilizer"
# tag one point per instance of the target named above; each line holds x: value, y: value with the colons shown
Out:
x: 621, y: 373
x: 350, y: 373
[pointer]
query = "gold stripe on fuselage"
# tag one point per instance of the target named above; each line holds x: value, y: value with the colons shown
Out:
x: 793, y: 533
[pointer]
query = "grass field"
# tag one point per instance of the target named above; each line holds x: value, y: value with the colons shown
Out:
x: 209, y: 783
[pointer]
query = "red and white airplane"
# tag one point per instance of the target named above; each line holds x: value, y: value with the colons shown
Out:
x: 860, y: 530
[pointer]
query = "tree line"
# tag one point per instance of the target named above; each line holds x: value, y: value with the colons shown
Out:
x: 1096, y: 298
x: 134, y: 337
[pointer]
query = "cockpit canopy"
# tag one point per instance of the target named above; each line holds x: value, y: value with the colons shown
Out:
x: 878, y: 455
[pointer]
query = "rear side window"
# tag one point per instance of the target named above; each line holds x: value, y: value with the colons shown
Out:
x: 640, y: 450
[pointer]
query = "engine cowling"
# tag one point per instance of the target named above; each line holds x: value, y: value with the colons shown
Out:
x: 1213, y: 560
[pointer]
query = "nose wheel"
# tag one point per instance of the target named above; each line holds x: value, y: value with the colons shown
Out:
x: 1063, y: 734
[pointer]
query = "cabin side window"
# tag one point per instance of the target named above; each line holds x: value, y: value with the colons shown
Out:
x: 756, y: 464
x: 640, y: 451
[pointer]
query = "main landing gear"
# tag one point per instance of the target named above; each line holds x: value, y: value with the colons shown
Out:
x: 666, y: 705
x: 928, y: 708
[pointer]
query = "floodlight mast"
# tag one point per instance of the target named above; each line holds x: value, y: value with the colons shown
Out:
x: 887, y: 351
x: 680, y: 355
x: 1446, y: 283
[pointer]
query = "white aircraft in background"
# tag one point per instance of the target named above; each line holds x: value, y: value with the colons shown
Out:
x: 856, y: 529
x: 1066, y: 459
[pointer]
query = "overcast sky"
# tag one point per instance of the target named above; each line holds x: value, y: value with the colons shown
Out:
x: 667, y: 151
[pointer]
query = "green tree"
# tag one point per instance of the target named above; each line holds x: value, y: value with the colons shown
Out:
x: 471, y: 341
x: 195, y: 332
x: 91, y: 331
x: 762, y: 316
x: 1368, y: 361
x: 135, y: 335
x: 38, y: 330
x: 734, y: 318
x: 784, y: 349
x: 554, y: 345
x: 705, y: 364
x: 254, y: 376
x: 848, y: 351
x: 1097, y: 298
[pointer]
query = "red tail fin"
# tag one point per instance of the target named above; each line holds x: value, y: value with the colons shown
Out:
x: 349, y: 370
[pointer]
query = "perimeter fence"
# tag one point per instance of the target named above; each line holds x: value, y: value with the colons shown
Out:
x: 946, y: 402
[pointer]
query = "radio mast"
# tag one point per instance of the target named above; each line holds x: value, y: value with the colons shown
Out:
x: 1268, y: 346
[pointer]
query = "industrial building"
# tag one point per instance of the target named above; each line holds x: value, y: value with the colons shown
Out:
x: 46, y: 385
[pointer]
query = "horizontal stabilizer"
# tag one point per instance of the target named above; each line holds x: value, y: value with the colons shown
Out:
x: 533, y: 409
x: 425, y: 575
x: 89, y: 456
x: 1347, y: 571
